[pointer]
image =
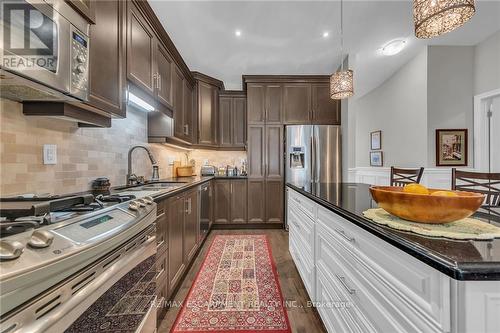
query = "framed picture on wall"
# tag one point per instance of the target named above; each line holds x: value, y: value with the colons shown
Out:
x: 451, y: 147
x: 376, y: 158
x: 376, y: 140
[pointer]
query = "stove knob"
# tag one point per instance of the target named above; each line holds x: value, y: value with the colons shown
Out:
x: 40, y: 239
x: 149, y: 200
x: 10, y: 249
x: 141, y: 202
x: 133, y: 205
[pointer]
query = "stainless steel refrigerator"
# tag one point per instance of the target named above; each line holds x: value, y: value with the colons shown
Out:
x: 313, y: 154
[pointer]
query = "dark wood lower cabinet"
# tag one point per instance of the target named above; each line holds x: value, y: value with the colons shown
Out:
x: 191, y: 225
x: 238, y: 201
x: 274, y: 201
x: 256, y: 200
x: 230, y: 201
x: 175, y: 240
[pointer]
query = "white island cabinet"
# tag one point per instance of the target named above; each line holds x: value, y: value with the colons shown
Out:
x: 360, y: 283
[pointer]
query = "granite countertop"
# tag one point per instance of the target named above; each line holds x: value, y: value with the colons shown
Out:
x: 459, y: 259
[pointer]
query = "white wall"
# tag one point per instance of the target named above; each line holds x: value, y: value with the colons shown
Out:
x: 487, y: 65
x: 450, y: 70
x: 398, y: 107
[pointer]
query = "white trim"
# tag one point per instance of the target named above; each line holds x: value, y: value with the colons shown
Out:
x: 480, y: 133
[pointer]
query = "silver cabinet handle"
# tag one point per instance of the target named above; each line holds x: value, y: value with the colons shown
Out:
x: 186, y: 129
x: 155, y: 80
x: 343, y: 234
x: 159, y: 81
x: 344, y: 284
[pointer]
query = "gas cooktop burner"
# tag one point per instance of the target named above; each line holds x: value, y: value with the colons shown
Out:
x: 115, y: 198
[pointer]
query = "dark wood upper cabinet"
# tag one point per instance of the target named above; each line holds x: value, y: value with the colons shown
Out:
x: 191, y: 225
x: 274, y: 104
x: 225, y: 125
x: 188, y: 114
x: 164, y: 68
x: 222, y: 201
x: 207, y: 114
x: 324, y: 109
x: 256, y: 151
x: 256, y: 102
x: 239, y: 121
x: 274, y: 151
x: 141, y: 45
x: 232, y: 120
x: 87, y: 8
x: 238, y: 205
x: 107, y: 58
x: 178, y: 101
x: 297, y: 101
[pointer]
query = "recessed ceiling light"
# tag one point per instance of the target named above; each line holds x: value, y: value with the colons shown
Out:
x: 325, y: 34
x: 237, y: 33
x: 393, y: 47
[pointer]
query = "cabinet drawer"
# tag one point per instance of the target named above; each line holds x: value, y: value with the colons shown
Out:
x: 301, y: 229
x: 305, y: 267
x: 422, y: 292
x: 335, y: 307
x: 297, y: 200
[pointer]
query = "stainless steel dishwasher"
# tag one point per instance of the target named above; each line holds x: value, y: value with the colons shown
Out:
x: 205, y: 210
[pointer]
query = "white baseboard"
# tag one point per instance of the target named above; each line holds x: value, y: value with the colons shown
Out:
x: 432, y: 177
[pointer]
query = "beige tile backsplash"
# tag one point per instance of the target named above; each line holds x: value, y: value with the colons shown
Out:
x: 83, y: 154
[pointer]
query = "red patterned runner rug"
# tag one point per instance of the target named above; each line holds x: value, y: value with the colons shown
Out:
x: 236, y: 290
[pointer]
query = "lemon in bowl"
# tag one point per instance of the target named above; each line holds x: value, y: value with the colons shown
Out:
x: 415, y: 189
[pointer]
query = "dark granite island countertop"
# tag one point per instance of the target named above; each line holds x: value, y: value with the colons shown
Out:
x: 459, y: 259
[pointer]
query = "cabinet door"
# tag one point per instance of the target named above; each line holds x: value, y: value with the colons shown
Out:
x: 178, y: 100
x: 222, y: 201
x: 274, y: 201
x: 188, y: 127
x: 325, y: 110
x: 164, y: 65
x: 191, y: 225
x: 256, y: 200
x: 238, y: 201
x: 225, y: 121
x: 161, y: 227
x: 274, y: 151
x: 140, y: 50
x: 107, y: 58
x: 274, y: 104
x: 239, y: 123
x: 297, y: 103
x: 256, y: 158
x: 87, y: 8
x: 175, y: 209
x: 256, y: 103
x: 207, y: 106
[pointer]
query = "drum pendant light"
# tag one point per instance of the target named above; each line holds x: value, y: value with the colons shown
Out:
x: 437, y: 17
x: 341, y: 82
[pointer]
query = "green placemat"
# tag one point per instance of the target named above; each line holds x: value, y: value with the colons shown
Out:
x: 467, y: 228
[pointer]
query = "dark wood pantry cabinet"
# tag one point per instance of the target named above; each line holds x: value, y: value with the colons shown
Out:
x: 264, y: 103
x: 207, y: 97
x: 107, y: 76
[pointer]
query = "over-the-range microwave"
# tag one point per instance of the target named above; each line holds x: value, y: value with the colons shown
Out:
x: 44, y: 46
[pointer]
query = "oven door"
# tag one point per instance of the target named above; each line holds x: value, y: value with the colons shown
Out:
x: 117, y: 292
x: 35, y: 43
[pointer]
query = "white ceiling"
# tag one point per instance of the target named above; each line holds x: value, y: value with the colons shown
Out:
x: 285, y: 37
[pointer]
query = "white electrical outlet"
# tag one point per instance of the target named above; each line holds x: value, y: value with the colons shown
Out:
x: 49, y: 154
x: 170, y: 160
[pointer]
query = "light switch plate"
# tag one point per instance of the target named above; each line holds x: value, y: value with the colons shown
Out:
x: 49, y: 154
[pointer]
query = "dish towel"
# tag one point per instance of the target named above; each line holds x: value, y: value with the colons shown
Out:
x: 468, y: 228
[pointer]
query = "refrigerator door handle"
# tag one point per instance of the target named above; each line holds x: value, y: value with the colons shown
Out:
x: 313, y: 157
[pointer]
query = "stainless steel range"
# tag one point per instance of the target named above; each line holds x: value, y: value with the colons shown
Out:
x: 51, y: 275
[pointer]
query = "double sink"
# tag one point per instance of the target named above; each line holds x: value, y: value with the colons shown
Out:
x: 151, y: 189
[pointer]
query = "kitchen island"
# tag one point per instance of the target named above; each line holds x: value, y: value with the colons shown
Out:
x: 366, y: 277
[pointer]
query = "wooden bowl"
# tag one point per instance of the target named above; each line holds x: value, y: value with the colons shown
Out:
x: 425, y: 208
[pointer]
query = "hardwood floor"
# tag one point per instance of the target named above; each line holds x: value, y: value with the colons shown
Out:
x: 302, y: 318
